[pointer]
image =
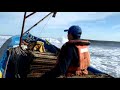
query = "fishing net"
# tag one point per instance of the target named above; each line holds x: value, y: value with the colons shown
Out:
x: 19, y: 63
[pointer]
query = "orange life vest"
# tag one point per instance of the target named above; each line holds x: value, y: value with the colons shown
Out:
x: 84, y: 62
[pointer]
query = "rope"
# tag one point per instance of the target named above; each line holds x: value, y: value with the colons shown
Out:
x: 17, y: 52
x: 6, y: 64
x: 37, y: 23
x: 20, y: 59
x: 45, y: 24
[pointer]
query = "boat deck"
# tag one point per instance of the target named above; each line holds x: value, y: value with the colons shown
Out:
x: 44, y: 62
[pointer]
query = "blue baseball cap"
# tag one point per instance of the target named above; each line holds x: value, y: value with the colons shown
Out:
x: 74, y: 30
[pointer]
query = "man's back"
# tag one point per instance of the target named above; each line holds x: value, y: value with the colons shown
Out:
x: 81, y: 57
x: 69, y: 59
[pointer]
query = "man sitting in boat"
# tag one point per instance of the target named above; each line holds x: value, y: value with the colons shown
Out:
x: 74, y: 57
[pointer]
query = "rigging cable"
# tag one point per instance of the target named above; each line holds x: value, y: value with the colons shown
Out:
x: 45, y: 24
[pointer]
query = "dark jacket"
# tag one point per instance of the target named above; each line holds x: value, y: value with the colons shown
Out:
x: 68, y: 57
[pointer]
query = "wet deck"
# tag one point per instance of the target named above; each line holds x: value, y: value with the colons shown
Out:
x: 44, y: 62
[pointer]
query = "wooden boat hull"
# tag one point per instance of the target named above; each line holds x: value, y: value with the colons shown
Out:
x: 40, y: 64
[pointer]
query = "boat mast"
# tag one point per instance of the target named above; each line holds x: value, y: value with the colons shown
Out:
x: 54, y: 14
x: 37, y: 23
x: 22, y: 29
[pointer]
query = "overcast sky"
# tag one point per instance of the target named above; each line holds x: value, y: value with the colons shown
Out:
x: 95, y: 25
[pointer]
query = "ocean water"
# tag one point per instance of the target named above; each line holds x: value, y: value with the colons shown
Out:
x: 105, y: 55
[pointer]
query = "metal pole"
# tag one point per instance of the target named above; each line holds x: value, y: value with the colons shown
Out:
x: 54, y: 14
x: 38, y: 22
x: 30, y: 14
x: 22, y: 29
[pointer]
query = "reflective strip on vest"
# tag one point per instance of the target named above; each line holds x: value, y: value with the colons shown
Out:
x: 84, y: 50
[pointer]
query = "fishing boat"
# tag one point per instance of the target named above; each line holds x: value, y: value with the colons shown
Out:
x: 18, y: 61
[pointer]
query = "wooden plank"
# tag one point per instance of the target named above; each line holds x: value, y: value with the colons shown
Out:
x: 42, y: 64
x: 45, y: 55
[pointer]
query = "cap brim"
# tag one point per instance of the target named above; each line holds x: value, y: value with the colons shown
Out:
x: 66, y: 30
